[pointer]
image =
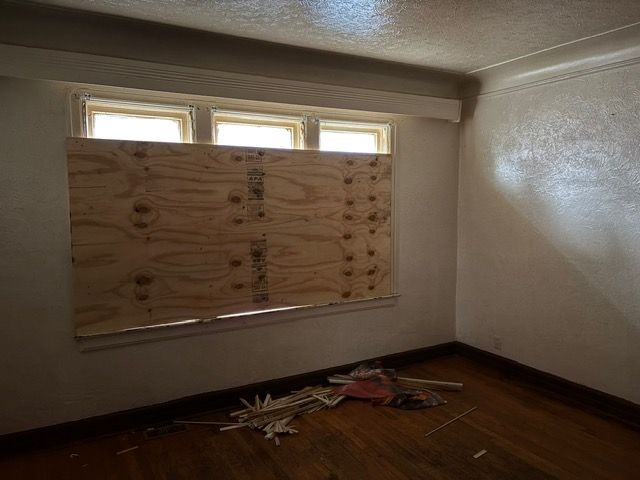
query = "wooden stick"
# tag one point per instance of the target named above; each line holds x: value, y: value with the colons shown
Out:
x: 188, y: 422
x: 451, y: 421
x: 340, y: 381
x: 479, y: 454
x: 231, y: 427
x: 453, y: 386
x: 127, y: 450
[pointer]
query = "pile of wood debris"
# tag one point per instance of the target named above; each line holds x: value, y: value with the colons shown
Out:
x: 273, y: 416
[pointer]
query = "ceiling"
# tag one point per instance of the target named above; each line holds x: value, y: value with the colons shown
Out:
x: 454, y: 35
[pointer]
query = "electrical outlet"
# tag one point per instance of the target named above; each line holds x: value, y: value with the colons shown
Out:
x: 497, y: 343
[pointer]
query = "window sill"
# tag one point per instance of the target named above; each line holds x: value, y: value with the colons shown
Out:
x: 227, y: 323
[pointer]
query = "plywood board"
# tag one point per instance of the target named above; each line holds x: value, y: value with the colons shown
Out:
x: 165, y: 232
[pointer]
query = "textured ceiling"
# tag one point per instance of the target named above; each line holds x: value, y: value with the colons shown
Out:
x: 456, y: 35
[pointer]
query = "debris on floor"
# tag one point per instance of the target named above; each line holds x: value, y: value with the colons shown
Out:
x: 450, y: 421
x: 381, y: 385
x: 367, y: 371
x: 273, y: 416
x: 120, y: 452
x: 479, y: 454
x: 164, y: 430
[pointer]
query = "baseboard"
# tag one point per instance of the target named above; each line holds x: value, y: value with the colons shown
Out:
x: 587, y: 398
x: 137, y: 418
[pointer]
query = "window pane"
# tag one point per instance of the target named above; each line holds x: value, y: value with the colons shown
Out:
x: 248, y: 135
x: 348, y: 141
x: 130, y: 127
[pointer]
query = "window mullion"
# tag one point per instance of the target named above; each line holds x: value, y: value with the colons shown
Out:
x: 202, y: 125
x: 311, y: 132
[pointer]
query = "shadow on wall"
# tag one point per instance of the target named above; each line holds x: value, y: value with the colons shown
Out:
x: 550, y: 230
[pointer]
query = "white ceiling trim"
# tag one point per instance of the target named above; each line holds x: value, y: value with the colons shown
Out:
x: 615, y: 49
x: 44, y: 64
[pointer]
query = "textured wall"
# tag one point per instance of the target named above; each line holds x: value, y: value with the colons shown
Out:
x: 549, y: 228
x: 45, y: 377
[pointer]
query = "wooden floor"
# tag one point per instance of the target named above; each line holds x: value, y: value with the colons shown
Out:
x: 527, y: 435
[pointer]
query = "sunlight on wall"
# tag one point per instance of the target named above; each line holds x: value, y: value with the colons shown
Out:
x: 571, y: 165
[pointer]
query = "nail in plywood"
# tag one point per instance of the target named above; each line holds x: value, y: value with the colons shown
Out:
x: 164, y: 232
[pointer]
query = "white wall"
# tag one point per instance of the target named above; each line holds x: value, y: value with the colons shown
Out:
x: 47, y: 379
x: 549, y: 228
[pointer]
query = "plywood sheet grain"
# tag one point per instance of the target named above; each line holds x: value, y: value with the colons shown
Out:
x: 165, y: 232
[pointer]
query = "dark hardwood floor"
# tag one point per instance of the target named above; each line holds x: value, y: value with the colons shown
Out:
x: 527, y: 435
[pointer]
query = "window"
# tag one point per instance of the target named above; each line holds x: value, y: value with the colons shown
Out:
x: 164, y: 119
x: 119, y: 120
x: 353, y: 137
x: 254, y: 130
x: 304, y: 189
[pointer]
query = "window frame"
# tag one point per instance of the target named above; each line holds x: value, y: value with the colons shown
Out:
x: 382, y: 131
x: 295, y: 123
x: 198, y: 116
x: 109, y: 106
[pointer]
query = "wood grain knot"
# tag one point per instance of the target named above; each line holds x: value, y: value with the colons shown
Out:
x: 374, y: 178
x: 142, y: 297
x: 140, y: 154
x: 371, y: 271
x: 348, y: 180
x: 350, y: 203
x: 237, y: 158
x: 140, y: 225
x: 349, y: 162
x: 236, y: 263
x: 349, y: 258
x: 372, y: 231
x: 373, y: 217
x: 371, y: 287
x: 373, y: 163
x: 372, y: 198
x: 238, y: 221
x: 236, y: 199
x: 371, y: 253
x: 261, y: 153
x: 348, y: 217
x: 347, y: 236
x: 141, y: 208
x: 346, y: 294
x: 143, y: 280
x: 347, y: 273
x: 238, y: 286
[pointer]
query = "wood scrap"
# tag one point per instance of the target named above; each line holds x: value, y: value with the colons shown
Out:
x: 274, y: 415
x: 411, y: 383
x: 479, y: 454
x: 120, y: 452
x: 450, y: 421
x: 432, y: 384
x: 189, y: 422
